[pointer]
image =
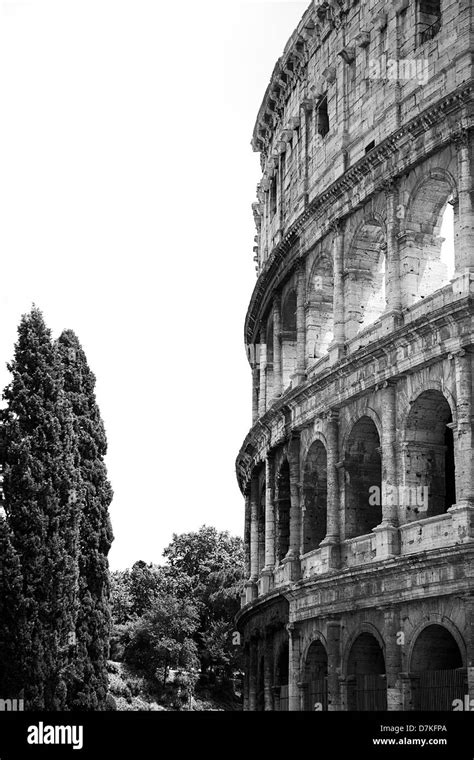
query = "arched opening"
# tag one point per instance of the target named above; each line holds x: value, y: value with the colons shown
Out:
x: 436, y: 670
x: 320, y: 314
x: 427, y: 246
x: 288, y: 337
x: 316, y: 678
x: 429, y: 467
x: 363, y: 510
x: 367, y: 689
x: 365, y: 278
x: 315, y: 497
x: 281, y: 678
x: 261, y: 529
x: 283, y: 505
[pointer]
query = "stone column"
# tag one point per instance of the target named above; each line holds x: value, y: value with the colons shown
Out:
x: 245, y: 706
x: 393, y: 658
x: 463, y: 511
x: 262, y: 400
x: 293, y: 668
x: 387, y: 537
x: 336, y: 349
x: 392, y: 270
x: 253, y: 662
x: 464, y: 432
x: 334, y: 664
x: 251, y: 585
x: 247, y: 533
x: 330, y: 546
x: 464, y: 250
x: 267, y: 572
x: 277, y: 369
x: 300, y: 375
x: 469, y: 638
x: 268, y: 671
x: 255, y: 377
x: 291, y: 561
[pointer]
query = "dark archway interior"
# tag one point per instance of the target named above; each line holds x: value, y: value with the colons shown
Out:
x: 435, y: 649
x: 283, y: 504
x: 315, y: 497
x: 367, y: 688
x: 363, y: 473
x: 429, y: 465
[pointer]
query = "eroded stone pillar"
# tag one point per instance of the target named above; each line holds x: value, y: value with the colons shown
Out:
x: 387, y: 536
x: 268, y: 670
x: 262, y: 399
x: 255, y: 392
x: 267, y: 572
x: 464, y: 250
x: 393, y: 658
x: 469, y: 638
x: 251, y: 585
x: 463, y: 511
x: 294, y: 667
x: 277, y: 369
x: 330, y: 545
x: 334, y: 665
x: 292, y: 570
x: 392, y: 269
x: 253, y: 679
x: 336, y: 349
x: 300, y: 373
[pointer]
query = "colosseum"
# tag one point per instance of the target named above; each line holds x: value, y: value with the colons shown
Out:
x: 357, y: 471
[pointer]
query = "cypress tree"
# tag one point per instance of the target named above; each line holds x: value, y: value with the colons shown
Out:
x: 89, y: 689
x: 10, y: 596
x: 43, y: 497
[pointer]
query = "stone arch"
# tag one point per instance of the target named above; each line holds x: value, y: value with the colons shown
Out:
x: 442, y: 621
x: 282, y: 510
x: 363, y: 476
x: 426, y: 258
x: 315, y: 496
x: 320, y: 306
x: 437, y: 673
x: 365, y: 668
x: 364, y: 266
x: 288, y: 336
x: 428, y: 457
x: 315, y: 675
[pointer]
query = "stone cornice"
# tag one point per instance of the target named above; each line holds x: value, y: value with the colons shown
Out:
x: 394, y: 570
x: 345, y: 184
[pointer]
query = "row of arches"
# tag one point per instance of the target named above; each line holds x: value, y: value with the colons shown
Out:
x: 427, y: 475
x: 436, y: 675
x: 427, y: 236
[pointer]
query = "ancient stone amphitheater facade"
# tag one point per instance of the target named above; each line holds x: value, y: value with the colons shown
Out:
x: 357, y: 471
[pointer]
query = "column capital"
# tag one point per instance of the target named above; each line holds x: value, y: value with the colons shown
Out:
x: 461, y: 138
x: 337, y: 226
x: 390, y: 185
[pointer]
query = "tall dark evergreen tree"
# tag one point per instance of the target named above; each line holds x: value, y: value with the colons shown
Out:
x: 10, y: 598
x: 43, y: 502
x: 88, y: 692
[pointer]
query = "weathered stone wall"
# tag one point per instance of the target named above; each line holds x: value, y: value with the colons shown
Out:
x: 358, y: 469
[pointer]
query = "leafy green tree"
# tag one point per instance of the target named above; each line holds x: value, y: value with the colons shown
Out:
x: 43, y: 502
x: 89, y: 688
x: 214, y: 564
x: 163, y: 638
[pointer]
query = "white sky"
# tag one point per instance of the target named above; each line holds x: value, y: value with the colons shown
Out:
x: 126, y: 183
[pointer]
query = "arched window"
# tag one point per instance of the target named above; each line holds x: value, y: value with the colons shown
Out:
x: 363, y: 479
x: 288, y: 337
x: 436, y: 670
x: 315, y: 497
x: 367, y: 689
